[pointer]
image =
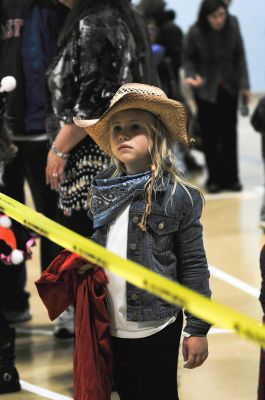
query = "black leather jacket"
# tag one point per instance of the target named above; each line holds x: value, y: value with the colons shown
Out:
x: 98, y: 58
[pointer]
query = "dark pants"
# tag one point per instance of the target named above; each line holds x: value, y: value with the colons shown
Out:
x: 146, y: 369
x: 218, y: 124
x: 29, y: 164
x: 4, y: 328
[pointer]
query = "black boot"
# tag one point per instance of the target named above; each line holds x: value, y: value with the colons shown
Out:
x: 9, y: 379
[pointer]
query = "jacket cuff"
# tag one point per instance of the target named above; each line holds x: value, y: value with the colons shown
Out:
x: 197, y: 328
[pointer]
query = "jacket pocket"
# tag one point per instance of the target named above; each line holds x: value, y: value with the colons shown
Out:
x: 161, y: 229
x: 163, y: 224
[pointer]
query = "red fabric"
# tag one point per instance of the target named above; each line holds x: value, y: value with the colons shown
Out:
x: 58, y: 287
x: 261, y: 386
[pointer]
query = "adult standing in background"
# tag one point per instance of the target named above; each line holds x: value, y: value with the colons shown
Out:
x: 103, y: 45
x: 167, y: 39
x: 261, y: 380
x: 28, y: 42
x: 216, y: 69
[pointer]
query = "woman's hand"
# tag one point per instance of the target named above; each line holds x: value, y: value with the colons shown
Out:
x: 68, y: 137
x: 195, y: 351
x: 55, y: 170
x: 196, y: 82
x: 86, y: 267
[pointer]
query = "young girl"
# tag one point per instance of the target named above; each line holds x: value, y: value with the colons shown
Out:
x: 143, y: 211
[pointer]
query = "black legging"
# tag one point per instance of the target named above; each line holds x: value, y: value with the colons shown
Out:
x: 146, y: 369
x: 218, y: 124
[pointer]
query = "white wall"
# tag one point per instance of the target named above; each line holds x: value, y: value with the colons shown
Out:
x: 251, y: 15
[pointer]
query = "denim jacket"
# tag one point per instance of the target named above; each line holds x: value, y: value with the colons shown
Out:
x: 172, y: 246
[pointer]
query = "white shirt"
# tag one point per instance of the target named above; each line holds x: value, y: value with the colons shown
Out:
x: 116, y: 288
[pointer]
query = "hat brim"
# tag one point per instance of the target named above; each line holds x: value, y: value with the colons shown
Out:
x: 172, y: 113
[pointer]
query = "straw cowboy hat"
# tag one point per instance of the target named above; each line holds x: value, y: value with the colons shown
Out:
x: 172, y: 113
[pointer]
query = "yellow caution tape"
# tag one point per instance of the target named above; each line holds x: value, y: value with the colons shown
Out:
x: 210, y: 311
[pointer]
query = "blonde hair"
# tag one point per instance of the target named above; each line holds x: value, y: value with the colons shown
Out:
x: 162, y: 160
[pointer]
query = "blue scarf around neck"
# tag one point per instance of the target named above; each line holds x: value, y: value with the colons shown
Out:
x: 111, y: 196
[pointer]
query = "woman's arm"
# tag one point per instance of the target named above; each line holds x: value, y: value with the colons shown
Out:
x: 190, y: 54
x: 242, y: 69
x: 69, y: 136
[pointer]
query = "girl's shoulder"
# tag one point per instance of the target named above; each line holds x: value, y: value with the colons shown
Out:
x: 189, y: 192
x: 184, y: 195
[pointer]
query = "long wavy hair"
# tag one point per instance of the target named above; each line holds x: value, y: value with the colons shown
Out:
x: 82, y: 8
x: 206, y: 8
x: 162, y: 161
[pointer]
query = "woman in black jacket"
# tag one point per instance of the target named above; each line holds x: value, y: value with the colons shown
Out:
x: 216, y: 69
x: 102, y: 47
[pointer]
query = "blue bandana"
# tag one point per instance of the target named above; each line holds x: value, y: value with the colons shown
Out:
x: 112, y: 195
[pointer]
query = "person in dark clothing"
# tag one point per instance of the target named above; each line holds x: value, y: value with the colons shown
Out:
x: 9, y: 378
x: 28, y: 42
x: 261, y: 383
x: 101, y: 47
x: 216, y: 69
x: 103, y: 44
x: 167, y: 43
x: 171, y: 37
x: 164, y: 32
x: 257, y: 121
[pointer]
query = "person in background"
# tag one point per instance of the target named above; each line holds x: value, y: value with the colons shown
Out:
x: 261, y: 383
x: 9, y: 378
x: 103, y: 44
x: 257, y: 120
x: 28, y: 42
x: 154, y: 219
x: 167, y: 42
x: 216, y: 69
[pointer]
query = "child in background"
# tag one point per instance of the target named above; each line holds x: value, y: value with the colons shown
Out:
x: 143, y: 211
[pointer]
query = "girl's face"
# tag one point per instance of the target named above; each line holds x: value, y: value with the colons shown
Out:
x: 130, y: 141
x: 217, y: 19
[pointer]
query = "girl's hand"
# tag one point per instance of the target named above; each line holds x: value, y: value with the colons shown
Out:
x: 198, y: 81
x: 195, y: 351
x: 55, y: 170
x: 86, y: 267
